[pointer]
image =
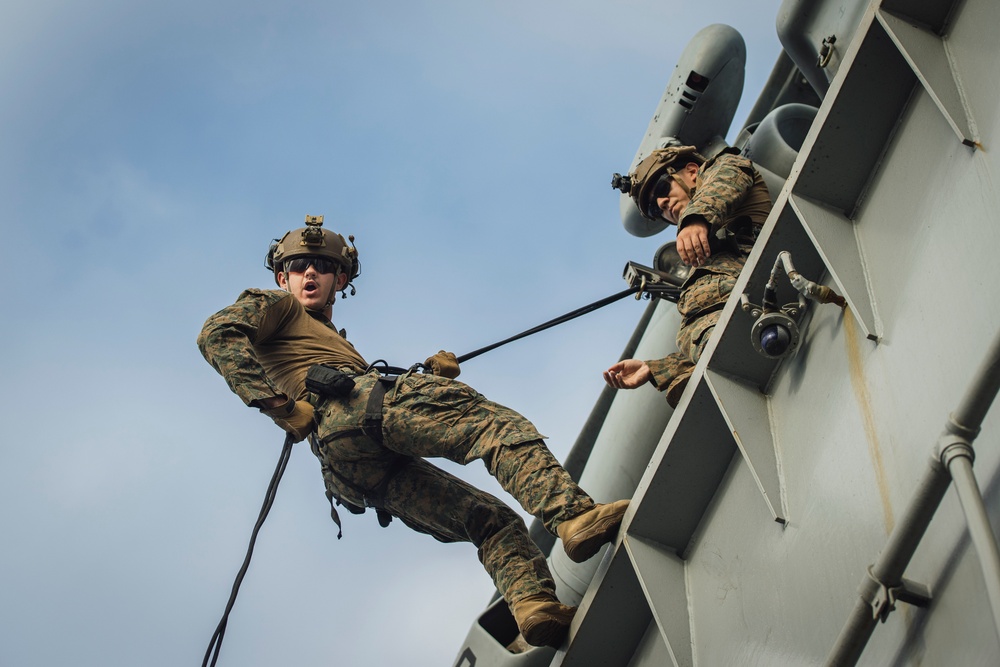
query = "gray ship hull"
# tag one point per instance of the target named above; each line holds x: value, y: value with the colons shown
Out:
x: 766, y: 506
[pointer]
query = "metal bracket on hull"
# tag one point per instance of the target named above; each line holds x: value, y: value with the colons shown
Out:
x: 833, y: 235
x: 887, y: 596
x: 927, y: 56
x: 610, y: 602
x: 745, y: 411
x: 661, y: 576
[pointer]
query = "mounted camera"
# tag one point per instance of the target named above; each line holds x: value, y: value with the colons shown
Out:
x: 775, y: 335
x: 664, y: 279
x: 775, y: 331
x: 623, y: 183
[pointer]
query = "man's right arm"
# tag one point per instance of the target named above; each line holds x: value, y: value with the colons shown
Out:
x: 227, y: 342
x: 693, y: 244
x: 628, y: 374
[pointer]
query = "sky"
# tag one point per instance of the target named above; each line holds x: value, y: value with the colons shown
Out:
x: 149, y: 152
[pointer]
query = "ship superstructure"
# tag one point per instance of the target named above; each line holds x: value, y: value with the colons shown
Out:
x: 818, y: 506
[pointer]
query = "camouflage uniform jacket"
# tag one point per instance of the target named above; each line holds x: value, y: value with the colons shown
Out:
x: 729, y: 195
x: 732, y: 198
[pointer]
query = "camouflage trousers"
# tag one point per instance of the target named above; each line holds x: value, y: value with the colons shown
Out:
x: 700, y: 305
x: 428, y: 416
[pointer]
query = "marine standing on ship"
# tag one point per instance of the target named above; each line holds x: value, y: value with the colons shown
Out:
x: 719, y: 206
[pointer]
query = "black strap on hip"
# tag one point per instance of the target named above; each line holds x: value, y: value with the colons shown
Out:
x: 372, y: 425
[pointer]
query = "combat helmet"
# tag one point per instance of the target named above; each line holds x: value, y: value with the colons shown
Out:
x: 313, y: 241
x: 642, y: 182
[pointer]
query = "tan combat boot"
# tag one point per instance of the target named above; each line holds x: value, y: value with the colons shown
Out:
x: 542, y: 619
x: 584, y: 534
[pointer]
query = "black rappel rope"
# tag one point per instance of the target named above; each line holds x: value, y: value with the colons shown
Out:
x: 551, y: 323
x: 272, y: 488
x: 215, y: 645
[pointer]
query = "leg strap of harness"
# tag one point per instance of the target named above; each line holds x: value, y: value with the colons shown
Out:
x: 374, y: 498
x: 372, y: 424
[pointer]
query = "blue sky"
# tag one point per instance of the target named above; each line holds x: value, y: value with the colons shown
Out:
x: 148, y: 154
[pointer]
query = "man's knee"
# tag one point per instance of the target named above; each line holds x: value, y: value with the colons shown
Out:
x: 495, y: 523
x: 509, y: 461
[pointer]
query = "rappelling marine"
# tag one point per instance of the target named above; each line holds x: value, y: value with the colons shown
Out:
x: 280, y: 352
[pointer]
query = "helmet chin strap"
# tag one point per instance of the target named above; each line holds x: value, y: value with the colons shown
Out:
x: 333, y: 291
x: 684, y: 186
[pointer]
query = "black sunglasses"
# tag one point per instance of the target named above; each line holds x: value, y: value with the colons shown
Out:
x: 661, y: 189
x: 300, y: 264
x: 663, y: 185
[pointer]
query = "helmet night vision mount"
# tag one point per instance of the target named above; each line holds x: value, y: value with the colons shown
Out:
x: 641, y: 182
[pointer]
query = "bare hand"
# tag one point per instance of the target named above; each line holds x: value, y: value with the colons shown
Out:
x: 628, y: 374
x: 692, y: 243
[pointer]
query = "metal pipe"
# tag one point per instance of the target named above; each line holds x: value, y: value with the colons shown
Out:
x: 876, y: 594
x: 804, y: 286
x: 874, y: 599
x: 980, y: 530
x: 979, y: 396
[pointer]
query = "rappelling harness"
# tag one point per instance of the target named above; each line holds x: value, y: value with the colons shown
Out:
x: 326, y: 381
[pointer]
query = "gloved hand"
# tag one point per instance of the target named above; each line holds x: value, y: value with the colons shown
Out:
x: 295, y: 417
x: 444, y: 364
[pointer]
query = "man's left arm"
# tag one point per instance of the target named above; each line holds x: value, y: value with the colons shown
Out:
x: 724, y: 183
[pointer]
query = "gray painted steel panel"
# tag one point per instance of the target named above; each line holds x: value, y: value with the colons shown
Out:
x: 886, y: 205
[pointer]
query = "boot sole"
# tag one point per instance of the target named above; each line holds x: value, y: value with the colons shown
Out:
x: 549, y: 630
x: 580, y: 549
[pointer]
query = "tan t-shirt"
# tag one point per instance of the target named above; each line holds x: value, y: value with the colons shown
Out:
x: 290, y: 340
x: 264, y: 344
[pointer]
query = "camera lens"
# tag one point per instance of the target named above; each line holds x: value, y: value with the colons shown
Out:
x: 774, y: 340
